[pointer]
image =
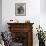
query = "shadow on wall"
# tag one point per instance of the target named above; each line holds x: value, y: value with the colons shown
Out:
x: 43, y: 6
x: 0, y: 15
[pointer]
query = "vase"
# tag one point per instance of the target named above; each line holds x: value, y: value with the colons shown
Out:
x: 41, y: 43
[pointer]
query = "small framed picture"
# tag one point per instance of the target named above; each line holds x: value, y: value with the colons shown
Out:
x: 20, y: 9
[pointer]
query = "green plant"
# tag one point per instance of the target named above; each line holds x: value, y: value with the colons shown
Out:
x: 40, y: 34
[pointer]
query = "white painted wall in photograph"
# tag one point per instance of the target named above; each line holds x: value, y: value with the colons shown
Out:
x: 0, y: 15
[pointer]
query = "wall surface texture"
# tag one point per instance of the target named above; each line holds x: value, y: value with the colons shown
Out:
x: 33, y: 13
x: 0, y: 15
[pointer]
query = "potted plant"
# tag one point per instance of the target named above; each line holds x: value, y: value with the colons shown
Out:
x: 41, y: 36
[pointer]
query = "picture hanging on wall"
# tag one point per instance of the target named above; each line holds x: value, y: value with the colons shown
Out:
x: 20, y: 9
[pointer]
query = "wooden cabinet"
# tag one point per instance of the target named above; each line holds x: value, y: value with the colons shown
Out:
x: 22, y: 33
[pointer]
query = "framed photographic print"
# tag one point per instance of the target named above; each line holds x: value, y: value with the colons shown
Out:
x: 20, y: 9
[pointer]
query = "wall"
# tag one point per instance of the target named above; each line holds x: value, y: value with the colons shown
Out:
x: 43, y: 6
x: 0, y: 15
x: 43, y: 14
x: 33, y: 13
